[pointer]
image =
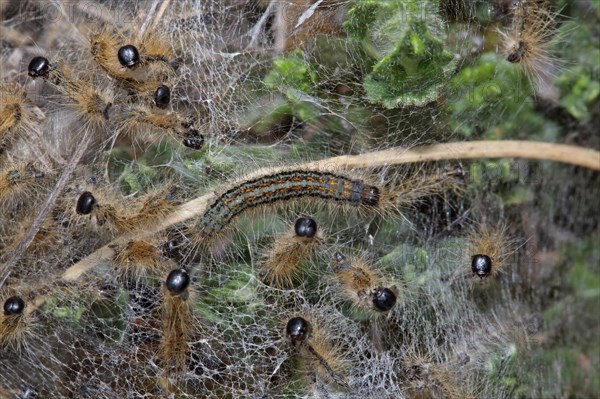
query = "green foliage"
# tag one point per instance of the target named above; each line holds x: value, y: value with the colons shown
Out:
x: 67, y: 312
x: 574, y: 319
x: 291, y: 72
x: 293, y: 76
x: 410, y: 263
x: 109, y: 316
x: 579, y: 84
x: 412, y: 61
x: 494, y: 97
x: 578, y: 91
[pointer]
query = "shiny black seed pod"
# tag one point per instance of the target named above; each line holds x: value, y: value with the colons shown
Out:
x: 177, y: 281
x: 193, y: 140
x: 297, y: 329
x: 162, y: 96
x: 129, y: 56
x: 14, y: 305
x: 85, y: 203
x: 305, y: 227
x: 481, y: 265
x: 38, y: 66
x: 384, y: 299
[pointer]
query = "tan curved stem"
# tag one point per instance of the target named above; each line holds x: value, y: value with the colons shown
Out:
x: 568, y: 154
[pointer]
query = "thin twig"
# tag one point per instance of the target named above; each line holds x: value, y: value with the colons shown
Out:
x: 254, y: 33
x: 149, y: 18
x: 568, y: 154
x: 463, y: 150
x: 153, y: 16
x: 160, y: 13
x: 307, y: 14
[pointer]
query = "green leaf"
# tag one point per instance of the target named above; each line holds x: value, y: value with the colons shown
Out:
x: 365, y: 14
x: 291, y: 71
x: 578, y: 91
x: 413, y: 63
x: 494, y: 97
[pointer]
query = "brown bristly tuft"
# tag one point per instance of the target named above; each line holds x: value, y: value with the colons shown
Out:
x: 140, y: 261
x: 118, y: 215
x: 91, y: 103
x: 157, y: 58
x: 493, y: 241
x: 426, y: 379
x: 177, y: 319
x: 104, y: 45
x: 359, y: 281
x: 155, y: 48
x: 143, y: 123
x: 16, y: 115
x: 104, y: 215
x: 326, y: 359
x: 18, y: 182
x: 44, y: 240
x: 416, y: 184
x: 283, y: 264
x: 15, y: 330
x: 529, y: 40
x: 152, y: 206
x: 318, y: 354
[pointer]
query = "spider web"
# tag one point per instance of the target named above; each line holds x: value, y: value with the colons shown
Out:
x: 273, y: 83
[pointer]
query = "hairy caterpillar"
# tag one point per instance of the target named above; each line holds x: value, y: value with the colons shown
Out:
x: 282, y: 265
x: 16, y: 115
x: 489, y: 249
x: 153, y: 205
x: 139, y: 120
x: 142, y: 65
x: 177, y: 315
x: 97, y: 207
x: 18, y: 181
x: 314, y: 349
x: 363, y: 286
x: 90, y: 103
x: 372, y: 297
x: 14, y: 324
x: 120, y: 217
x: 107, y: 50
x: 528, y: 41
x: 138, y: 261
x: 288, y: 186
x: 44, y: 240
